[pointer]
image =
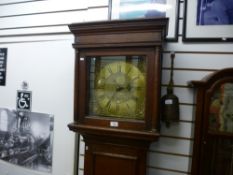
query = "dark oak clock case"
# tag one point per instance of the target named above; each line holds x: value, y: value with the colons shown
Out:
x: 117, y: 144
x: 213, y: 143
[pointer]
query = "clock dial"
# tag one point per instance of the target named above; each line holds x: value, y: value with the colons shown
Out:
x: 120, y: 91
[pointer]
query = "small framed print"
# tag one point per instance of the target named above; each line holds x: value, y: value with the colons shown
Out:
x: 208, y: 20
x: 129, y: 9
x: 3, y: 65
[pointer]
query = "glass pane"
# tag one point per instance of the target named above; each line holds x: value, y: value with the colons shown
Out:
x: 117, y: 86
x: 221, y: 109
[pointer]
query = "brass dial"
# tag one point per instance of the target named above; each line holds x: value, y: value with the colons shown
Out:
x: 120, y: 91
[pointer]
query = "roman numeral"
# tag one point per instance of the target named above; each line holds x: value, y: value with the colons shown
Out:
x: 118, y: 68
x: 109, y: 70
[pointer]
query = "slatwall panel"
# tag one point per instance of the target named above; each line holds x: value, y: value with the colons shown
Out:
x: 193, y: 61
x: 30, y: 18
x: 81, y: 157
x: 7, y: 2
x: 40, y: 20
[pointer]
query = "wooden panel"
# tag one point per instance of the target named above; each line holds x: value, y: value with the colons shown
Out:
x: 103, y: 158
x: 105, y: 164
x: 120, y: 38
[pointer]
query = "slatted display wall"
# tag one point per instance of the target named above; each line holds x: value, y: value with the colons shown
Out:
x: 46, y: 20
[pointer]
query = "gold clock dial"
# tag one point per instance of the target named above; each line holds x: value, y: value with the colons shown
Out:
x: 120, y: 91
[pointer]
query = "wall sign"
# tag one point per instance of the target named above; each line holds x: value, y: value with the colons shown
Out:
x: 3, y: 59
x: 24, y: 100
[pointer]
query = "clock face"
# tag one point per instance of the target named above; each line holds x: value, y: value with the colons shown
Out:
x: 119, y: 91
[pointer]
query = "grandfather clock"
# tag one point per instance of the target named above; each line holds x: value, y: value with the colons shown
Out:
x: 213, y: 143
x: 117, y: 92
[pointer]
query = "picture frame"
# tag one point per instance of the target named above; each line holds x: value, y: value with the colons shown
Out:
x: 129, y: 9
x: 3, y: 66
x: 205, y: 21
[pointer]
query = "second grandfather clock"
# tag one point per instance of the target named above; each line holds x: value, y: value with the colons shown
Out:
x: 117, y: 92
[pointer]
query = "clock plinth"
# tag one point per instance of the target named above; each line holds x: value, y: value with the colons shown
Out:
x: 113, y: 152
x: 117, y: 92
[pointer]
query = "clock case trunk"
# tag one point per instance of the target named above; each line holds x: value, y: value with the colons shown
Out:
x: 125, y: 145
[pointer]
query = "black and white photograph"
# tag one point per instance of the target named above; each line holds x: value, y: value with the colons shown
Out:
x: 215, y: 12
x: 26, y: 139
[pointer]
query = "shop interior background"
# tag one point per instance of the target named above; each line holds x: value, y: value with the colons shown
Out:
x: 40, y: 52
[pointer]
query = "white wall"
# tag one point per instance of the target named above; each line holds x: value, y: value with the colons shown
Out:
x: 40, y: 52
x: 48, y: 68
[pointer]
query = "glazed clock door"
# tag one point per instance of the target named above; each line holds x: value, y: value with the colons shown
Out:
x: 117, y: 90
x: 119, y: 87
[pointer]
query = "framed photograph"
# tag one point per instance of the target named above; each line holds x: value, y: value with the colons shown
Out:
x: 129, y: 9
x: 27, y: 140
x: 208, y: 20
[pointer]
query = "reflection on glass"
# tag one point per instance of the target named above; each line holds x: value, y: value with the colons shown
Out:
x: 128, y: 9
x: 221, y: 109
x: 117, y: 86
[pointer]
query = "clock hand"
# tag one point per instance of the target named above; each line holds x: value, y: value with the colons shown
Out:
x: 118, y: 86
